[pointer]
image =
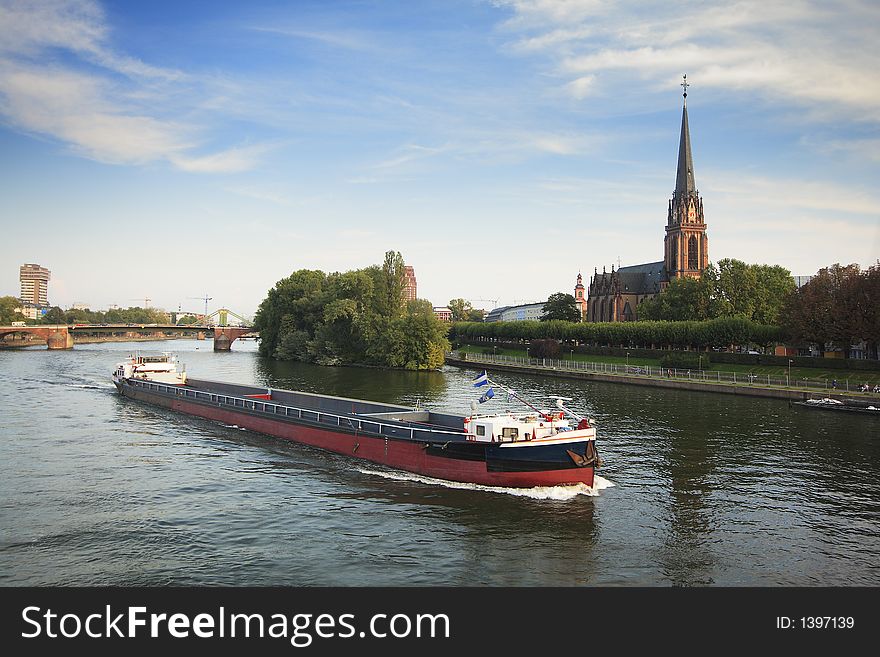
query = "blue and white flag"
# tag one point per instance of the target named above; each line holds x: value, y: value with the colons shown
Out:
x: 482, y: 380
x: 487, y: 395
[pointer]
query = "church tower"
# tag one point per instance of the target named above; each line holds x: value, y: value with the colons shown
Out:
x: 686, y: 247
x: 579, y: 299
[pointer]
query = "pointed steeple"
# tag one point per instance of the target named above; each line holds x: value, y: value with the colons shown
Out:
x: 684, y: 179
x: 686, y: 246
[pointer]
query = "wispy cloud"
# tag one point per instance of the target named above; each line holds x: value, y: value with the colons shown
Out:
x: 60, y: 77
x: 227, y: 161
x: 349, y: 40
x: 75, y: 108
x: 794, y: 194
x: 806, y: 53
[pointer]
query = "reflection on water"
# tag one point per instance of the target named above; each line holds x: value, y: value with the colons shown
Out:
x: 708, y: 489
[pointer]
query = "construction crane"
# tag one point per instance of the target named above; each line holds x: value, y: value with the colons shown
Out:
x: 206, y: 299
x: 494, y: 301
x: 146, y: 301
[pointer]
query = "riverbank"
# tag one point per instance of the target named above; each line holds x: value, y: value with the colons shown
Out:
x: 744, y: 387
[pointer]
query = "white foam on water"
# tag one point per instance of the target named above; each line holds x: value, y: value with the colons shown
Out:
x: 536, y: 493
x: 234, y: 426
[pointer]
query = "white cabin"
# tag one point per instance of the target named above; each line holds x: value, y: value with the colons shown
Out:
x: 529, y: 428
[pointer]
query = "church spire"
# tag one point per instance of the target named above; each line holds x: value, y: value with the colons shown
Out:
x: 684, y: 179
x: 686, y: 246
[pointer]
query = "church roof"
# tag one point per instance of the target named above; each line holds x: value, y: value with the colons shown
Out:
x: 642, y: 279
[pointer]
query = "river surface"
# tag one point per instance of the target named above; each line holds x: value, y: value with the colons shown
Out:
x: 697, y: 489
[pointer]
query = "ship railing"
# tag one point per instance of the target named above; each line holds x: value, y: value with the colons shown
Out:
x: 385, y: 429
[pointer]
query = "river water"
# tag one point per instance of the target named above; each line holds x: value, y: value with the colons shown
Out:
x: 697, y: 488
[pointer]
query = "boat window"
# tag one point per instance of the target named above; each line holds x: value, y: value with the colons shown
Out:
x: 481, y: 429
x: 510, y: 432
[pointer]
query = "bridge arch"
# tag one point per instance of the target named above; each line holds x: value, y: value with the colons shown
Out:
x: 56, y: 336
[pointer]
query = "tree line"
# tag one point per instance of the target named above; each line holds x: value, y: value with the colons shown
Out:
x: 354, y: 317
x: 719, y: 332
x: 55, y: 315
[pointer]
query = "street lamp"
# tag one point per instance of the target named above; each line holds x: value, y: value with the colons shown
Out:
x: 789, y: 372
x: 627, y: 360
x: 701, y: 362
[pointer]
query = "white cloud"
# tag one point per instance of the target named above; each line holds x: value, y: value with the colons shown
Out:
x: 103, y: 104
x: 802, y: 53
x: 73, y: 107
x: 793, y: 194
x: 228, y: 161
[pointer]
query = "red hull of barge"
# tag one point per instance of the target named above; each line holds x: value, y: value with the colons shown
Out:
x: 401, y: 454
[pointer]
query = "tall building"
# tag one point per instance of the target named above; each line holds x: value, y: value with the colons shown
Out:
x: 615, y: 296
x: 34, y: 284
x: 409, y: 289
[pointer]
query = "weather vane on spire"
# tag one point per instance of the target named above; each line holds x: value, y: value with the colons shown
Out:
x: 685, y: 85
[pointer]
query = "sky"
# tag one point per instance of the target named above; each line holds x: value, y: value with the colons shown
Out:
x: 176, y: 150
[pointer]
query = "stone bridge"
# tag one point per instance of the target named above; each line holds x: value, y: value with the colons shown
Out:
x: 60, y: 336
x: 56, y: 336
x: 224, y: 336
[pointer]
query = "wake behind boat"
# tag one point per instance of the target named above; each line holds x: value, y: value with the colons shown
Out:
x: 533, y: 448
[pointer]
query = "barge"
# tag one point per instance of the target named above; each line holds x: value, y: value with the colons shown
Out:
x: 528, y: 449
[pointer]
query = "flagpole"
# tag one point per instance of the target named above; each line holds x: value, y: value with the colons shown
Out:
x: 514, y: 394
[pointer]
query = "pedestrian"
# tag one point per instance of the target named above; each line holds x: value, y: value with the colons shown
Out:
x: 834, y: 384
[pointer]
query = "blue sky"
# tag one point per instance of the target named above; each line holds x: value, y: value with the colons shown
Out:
x: 173, y: 149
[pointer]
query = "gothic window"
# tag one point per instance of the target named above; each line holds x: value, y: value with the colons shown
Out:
x: 673, y: 255
x: 602, y: 312
x: 692, y: 253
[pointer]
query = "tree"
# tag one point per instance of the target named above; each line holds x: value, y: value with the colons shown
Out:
x: 825, y: 309
x: 391, y: 286
x: 54, y: 316
x: 461, y: 309
x: 867, y: 303
x: 352, y: 317
x: 7, y: 310
x: 774, y: 285
x: 684, y: 299
x: 561, y: 306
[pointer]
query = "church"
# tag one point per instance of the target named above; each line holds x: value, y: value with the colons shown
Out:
x: 615, y: 296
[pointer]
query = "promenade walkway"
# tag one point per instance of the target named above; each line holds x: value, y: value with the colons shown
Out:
x: 702, y: 380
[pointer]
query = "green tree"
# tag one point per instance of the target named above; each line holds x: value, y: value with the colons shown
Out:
x: 461, y: 309
x: 561, y: 306
x: 7, y: 310
x: 352, y: 317
x: 54, y: 316
x: 684, y: 299
x: 390, y: 286
x: 774, y: 286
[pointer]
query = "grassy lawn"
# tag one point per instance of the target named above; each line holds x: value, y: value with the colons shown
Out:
x: 856, y: 377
